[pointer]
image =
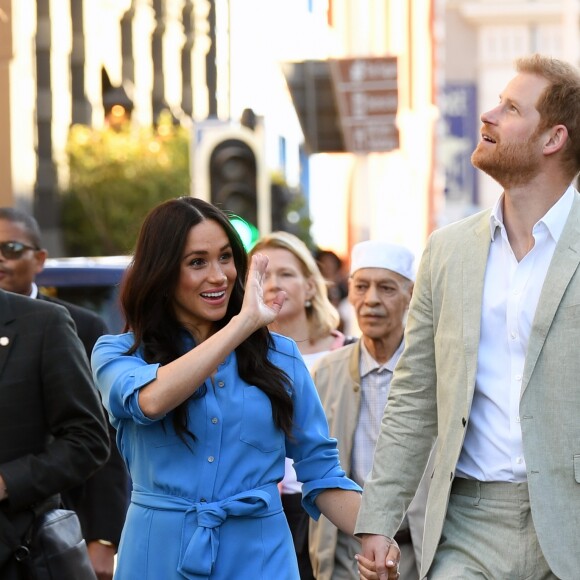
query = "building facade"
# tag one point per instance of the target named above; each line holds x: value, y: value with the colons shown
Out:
x: 482, y: 40
x: 63, y: 63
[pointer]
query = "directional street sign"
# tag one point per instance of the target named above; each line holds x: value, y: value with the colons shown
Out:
x: 367, y: 100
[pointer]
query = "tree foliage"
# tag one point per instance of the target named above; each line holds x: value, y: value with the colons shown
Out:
x: 115, y: 178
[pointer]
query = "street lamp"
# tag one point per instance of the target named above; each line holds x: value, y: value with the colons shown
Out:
x: 117, y: 104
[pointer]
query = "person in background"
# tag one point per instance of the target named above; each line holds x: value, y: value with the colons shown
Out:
x: 309, y: 318
x: 353, y: 383
x: 490, y: 366
x: 331, y: 268
x: 53, y: 432
x: 207, y: 403
x: 102, y: 500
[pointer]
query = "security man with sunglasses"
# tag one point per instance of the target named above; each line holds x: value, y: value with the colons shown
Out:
x: 101, y: 502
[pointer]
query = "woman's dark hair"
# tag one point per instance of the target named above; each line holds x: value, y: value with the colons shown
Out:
x: 146, y: 299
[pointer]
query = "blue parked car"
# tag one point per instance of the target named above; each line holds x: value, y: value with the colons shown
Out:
x: 89, y: 282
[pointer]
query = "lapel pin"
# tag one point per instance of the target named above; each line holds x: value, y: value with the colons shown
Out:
x: 4, y: 340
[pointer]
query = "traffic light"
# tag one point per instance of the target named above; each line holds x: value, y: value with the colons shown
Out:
x: 248, y: 233
x: 233, y: 177
x: 229, y: 171
x: 281, y: 197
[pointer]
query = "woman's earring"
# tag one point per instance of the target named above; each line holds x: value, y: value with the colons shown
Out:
x: 308, y: 303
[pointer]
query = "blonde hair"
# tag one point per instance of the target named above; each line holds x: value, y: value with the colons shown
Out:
x: 322, y: 316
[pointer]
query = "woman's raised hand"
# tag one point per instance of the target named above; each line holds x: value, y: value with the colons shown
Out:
x: 254, y: 304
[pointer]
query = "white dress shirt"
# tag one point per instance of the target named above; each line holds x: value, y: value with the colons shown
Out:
x: 493, y: 450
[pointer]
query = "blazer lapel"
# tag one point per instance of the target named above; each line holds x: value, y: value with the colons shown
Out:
x: 474, y: 259
x: 7, y: 333
x: 562, y: 268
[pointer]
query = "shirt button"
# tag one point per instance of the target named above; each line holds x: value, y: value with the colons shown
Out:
x: 518, y: 377
x: 517, y: 419
x: 221, y: 384
x: 211, y: 458
x: 519, y: 460
x: 513, y: 335
x: 214, y: 420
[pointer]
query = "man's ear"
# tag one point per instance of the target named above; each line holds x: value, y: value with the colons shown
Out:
x: 410, y: 289
x: 349, y: 290
x: 557, y: 138
x: 40, y: 257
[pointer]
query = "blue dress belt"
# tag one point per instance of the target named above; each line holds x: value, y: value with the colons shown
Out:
x: 200, y: 535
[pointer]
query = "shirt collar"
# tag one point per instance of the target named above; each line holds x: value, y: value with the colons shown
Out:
x: 33, y: 291
x: 554, y: 219
x: 368, y: 364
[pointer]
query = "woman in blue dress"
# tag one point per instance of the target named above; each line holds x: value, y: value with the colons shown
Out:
x: 207, y: 403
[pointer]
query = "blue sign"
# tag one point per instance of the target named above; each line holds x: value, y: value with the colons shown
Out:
x: 461, y: 119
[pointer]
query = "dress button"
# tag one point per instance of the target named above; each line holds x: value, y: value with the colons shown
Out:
x: 214, y: 420
x: 211, y: 458
x: 203, y: 500
x: 221, y: 384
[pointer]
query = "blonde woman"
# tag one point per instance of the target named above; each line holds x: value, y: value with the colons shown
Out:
x: 309, y: 318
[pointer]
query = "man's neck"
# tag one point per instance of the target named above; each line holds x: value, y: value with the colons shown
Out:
x: 522, y: 208
x: 382, y: 349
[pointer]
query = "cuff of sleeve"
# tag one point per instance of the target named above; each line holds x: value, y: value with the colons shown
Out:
x: 141, y: 377
x: 312, y: 489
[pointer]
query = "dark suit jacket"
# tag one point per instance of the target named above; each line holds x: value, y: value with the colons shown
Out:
x: 53, y: 433
x: 102, y: 500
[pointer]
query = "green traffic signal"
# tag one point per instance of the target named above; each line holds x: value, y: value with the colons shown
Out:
x: 248, y: 232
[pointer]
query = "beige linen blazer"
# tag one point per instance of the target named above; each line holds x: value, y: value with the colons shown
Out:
x: 432, y: 392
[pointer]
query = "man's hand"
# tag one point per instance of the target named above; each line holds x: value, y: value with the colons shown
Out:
x: 379, y: 559
x: 3, y: 490
x: 103, y: 559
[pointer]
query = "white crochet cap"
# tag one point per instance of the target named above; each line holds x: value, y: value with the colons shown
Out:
x: 377, y: 254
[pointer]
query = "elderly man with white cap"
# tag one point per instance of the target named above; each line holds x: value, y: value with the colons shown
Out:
x: 353, y: 383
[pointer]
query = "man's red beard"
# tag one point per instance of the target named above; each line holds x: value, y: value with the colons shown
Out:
x: 512, y: 164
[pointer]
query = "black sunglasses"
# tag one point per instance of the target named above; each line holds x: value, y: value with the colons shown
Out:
x: 14, y: 250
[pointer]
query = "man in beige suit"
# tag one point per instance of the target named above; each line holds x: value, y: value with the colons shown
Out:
x: 491, y: 366
x: 353, y: 383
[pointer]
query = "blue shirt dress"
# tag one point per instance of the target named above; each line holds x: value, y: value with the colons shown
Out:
x: 213, y: 510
